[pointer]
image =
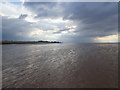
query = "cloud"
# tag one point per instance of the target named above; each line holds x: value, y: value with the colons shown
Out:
x: 20, y: 29
x: 93, y: 19
x: 10, y: 9
x: 14, y: 29
x: 110, y: 38
x: 23, y: 16
x: 64, y: 21
x: 45, y: 9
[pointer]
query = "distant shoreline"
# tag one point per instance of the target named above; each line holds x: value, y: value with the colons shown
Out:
x: 28, y: 42
x: 41, y: 42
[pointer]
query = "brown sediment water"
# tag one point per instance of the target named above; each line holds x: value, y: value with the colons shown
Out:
x: 60, y: 66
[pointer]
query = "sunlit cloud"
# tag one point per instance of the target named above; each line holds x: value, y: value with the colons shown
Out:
x: 110, y: 38
x: 58, y: 20
x: 10, y: 10
x: 43, y: 35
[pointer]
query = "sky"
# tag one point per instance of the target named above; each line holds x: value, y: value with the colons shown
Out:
x: 77, y: 22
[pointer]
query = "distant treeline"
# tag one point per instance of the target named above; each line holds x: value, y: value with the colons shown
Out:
x: 27, y: 42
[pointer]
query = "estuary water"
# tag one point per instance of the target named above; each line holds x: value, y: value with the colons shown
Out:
x: 60, y: 65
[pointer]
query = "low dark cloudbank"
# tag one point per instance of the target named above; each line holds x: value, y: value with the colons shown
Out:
x: 14, y: 29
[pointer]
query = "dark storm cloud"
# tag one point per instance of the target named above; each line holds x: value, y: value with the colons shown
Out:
x: 89, y: 12
x: 44, y: 9
x: 14, y: 29
x: 57, y: 32
x: 98, y: 18
x: 23, y: 16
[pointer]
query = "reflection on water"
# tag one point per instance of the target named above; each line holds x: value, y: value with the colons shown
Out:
x: 60, y: 66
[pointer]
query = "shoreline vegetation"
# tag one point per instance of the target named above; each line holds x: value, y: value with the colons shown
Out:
x: 28, y: 42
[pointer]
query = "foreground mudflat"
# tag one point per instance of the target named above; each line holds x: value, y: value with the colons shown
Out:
x: 60, y: 66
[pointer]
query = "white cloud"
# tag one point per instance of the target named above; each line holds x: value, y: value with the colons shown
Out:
x: 10, y: 10
x: 15, y: 9
x: 42, y: 35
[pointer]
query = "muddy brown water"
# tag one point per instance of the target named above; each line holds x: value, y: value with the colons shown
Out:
x: 60, y: 66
